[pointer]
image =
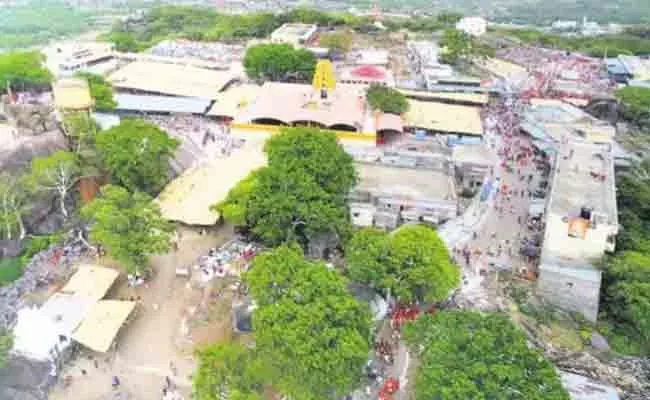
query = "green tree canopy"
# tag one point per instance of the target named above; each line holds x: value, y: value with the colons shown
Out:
x: 308, y: 327
x: 14, y: 203
x: 318, y: 154
x: 234, y: 208
x: 627, y: 292
x: 300, y: 195
x: 128, y: 225
x: 229, y: 368
x: 366, y: 255
x: 23, y: 70
x: 336, y: 41
x: 412, y: 263
x: 279, y: 61
x: 456, y: 46
x: 289, y: 205
x: 101, y: 90
x: 386, y: 99
x: 56, y: 174
x: 467, y: 355
x: 636, y: 104
x: 137, y: 154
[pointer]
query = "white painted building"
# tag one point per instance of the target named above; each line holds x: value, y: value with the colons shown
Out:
x: 475, y: 26
x: 294, y: 34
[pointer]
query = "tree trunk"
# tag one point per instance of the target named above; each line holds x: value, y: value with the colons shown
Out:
x: 62, y: 194
x: 6, y: 214
x: 21, y: 225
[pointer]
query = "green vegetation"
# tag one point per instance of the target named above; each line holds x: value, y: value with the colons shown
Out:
x: 101, y: 90
x: 231, y: 368
x: 301, y: 194
x: 23, y: 70
x: 309, y: 327
x: 13, y: 205
x: 137, y: 154
x: 11, y: 268
x: 279, y: 62
x: 386, y: 99
x: 625, y: 305
x: 458, y: 46
x: 56, y: 174
x: 197, y: 23
x: 636, y: 104
x: 312, y: 337
x: 467, y: 355
x: 336, y: 41
x: 128, y: 225
x: 410, y: 264
x: 6, y: 343
x: 36, y: 22
x: 627, y: 294
x: 596, y: 46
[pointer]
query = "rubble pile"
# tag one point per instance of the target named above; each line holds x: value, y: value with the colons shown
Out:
x: 628, y: 375
x: 559, y: 74
x: 44, y: 268
x: 207, y: 51
x: 200, y: 138
x: 231, y: 259
x: 30, y: 114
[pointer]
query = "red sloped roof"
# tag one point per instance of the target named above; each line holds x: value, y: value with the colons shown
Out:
x: 369, y: 71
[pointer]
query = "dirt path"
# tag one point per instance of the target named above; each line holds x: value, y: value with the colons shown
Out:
x: 153, y: 341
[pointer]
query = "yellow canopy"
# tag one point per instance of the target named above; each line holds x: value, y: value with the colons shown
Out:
x: 91, y: 281
x: 324, y: 75
x: 99, y: 328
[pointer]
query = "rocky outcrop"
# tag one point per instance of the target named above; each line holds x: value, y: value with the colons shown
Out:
x: 631, y: 376
x: 29, y: 119
x: 18, y: 147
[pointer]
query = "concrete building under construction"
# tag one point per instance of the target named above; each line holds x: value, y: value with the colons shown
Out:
x: 581, y: 226
x: 397, y: 187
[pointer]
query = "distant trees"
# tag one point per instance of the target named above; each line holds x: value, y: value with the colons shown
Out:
x: 128, y: 225
x: 308, y: 327
x: 410, y: 264
x: 137, y: 154
x: 37, y: 22
x: 56, y: 174
x: 467, y: 355
x: 336, y: 41
x: 279, y: 61
x: 23, y: 70
x: 458, y: 46
x: 632, y: 41
x: 300, y: 195
x: 386, y: 99
x: 101, y: 90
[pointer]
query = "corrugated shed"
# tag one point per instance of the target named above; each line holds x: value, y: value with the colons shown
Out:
x: 161, y: 104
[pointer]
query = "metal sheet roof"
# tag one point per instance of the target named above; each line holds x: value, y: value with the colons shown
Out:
x: 91, y: 281
x: 145, y: 103
x: 171, y: 79
x: 102, y: 324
